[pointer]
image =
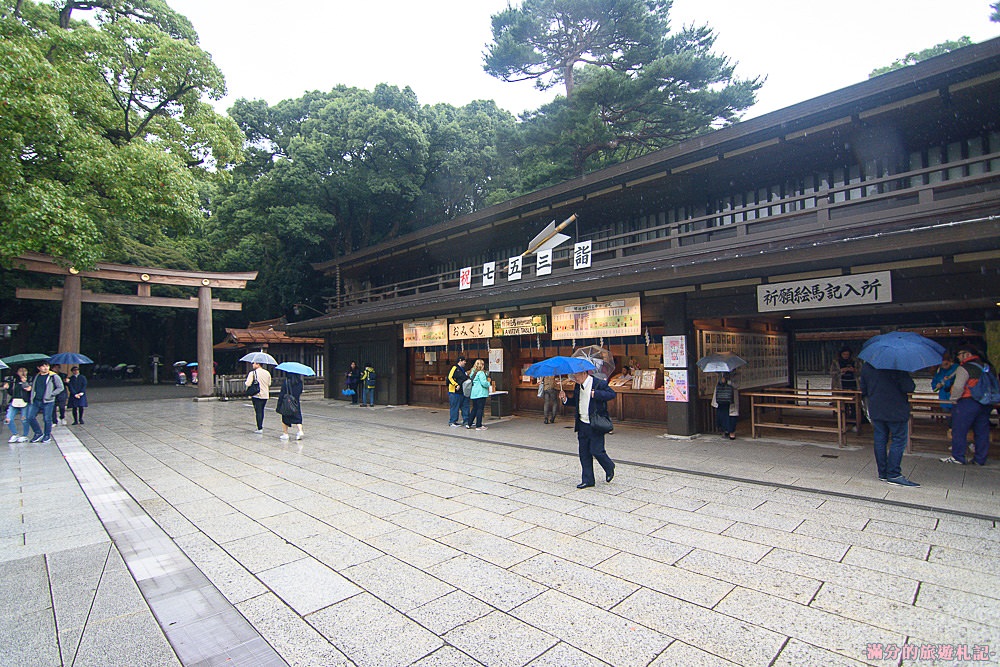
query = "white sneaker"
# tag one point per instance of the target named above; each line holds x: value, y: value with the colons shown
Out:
x: 283, y: 436
x: 22, y: 438
x: 259, y: 430
x: 298, y: 436
x: 480, y: 428
x: 951, y: 459
x: 13, y: 438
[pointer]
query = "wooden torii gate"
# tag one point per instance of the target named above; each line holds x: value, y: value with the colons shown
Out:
x: 72, y: 296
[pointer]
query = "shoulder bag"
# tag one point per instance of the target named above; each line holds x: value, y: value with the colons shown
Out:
x: 601, y: 423
x: 254, y: 387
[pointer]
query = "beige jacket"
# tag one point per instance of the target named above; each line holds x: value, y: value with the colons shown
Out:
x: 263, y: 378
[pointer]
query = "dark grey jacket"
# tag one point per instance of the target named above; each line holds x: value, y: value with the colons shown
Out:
x: 887, y: 393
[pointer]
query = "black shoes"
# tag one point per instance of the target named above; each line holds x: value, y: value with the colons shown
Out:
x: 584, y: 486
x: 611, y: 475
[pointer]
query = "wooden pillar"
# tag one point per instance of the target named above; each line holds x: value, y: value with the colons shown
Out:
x: 206, y: 375
x: 69, y: 324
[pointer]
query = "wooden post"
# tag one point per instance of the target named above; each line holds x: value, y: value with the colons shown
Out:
x: 206, y: 375
x: 69, y: 324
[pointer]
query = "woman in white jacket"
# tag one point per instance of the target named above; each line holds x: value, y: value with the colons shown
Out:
x: 726, y: 401
x: 259, y: 399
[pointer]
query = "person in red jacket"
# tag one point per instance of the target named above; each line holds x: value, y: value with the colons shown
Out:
x: 968, y: 413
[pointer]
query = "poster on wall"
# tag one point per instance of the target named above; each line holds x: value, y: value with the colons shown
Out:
x: 470, y: 330
x: 425, y: 333
x: 519, y: 326
x: 675, y: 385
x: 618, y: 317
x: 675, y: 352
x: 496, y: 360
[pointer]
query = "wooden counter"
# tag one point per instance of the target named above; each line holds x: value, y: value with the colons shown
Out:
x: 645, y: 405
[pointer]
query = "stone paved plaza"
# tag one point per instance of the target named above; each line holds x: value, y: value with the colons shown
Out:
x: 385, y: 538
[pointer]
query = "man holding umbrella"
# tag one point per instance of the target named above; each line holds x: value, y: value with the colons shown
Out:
x: 590, y: 398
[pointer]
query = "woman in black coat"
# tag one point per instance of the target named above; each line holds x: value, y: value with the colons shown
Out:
x: 289, y: 404
x: 77, y: 394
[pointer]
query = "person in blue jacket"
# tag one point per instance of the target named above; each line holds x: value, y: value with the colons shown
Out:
x: 480, y: 391
x: 888, y: 397
x: 77, y: 394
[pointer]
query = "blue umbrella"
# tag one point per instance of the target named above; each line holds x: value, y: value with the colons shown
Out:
x: 295, y: 367
x: 559, y: 366
x: 70, y: 358
x: 3, y: 366
x: 193, y: 363
x: 259, y: 358
x: 901, y: 351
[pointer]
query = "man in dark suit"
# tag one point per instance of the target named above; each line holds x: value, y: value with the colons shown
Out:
x: 590, y: 397
x: 888, y: 392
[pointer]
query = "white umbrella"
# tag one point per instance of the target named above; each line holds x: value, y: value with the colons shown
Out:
x: 259, y: 358
x: 600, y: 357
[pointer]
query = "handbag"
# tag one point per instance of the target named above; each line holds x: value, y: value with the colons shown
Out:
x: 288, y: 406
x: 254, y: 387
x: 18, y: 403
x: 601, y: 423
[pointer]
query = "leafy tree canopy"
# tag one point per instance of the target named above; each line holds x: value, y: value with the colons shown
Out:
x: 919, y: 56
x: 103, y: 136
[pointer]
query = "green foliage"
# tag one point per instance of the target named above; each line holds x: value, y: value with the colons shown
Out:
x: 102, y: 128
x: 920, y: 56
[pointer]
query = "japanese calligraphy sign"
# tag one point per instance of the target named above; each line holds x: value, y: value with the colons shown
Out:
x: 420, y: 334
x: 470, y: 330
x: 543, y: 262
x: 489, y: 273
x: 621, y: 317
x: 855, y: 290
x: 581, y: 255
x: 517, y: 326
x: 465, y: 278
x: 514, y: 268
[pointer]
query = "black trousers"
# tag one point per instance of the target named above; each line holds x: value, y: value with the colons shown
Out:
x: 258, y: 408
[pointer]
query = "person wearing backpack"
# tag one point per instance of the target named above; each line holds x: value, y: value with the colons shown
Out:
x: 368, y: 384
x: 973, y: 393
x: 458, y: 402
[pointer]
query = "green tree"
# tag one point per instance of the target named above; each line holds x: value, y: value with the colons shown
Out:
x: 920, y: 56
x: 104, y: 138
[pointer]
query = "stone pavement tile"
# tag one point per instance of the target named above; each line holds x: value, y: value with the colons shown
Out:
x: 705, y: 629
x: 231, y: 578
x: 546, y: 500
x: 548, y: 482
x: 959, y: 525
x: 308, y: 585
x: 608, y: 497
x: 375, y: 504
x: 425, y: 523
x: 295, y: 525
x: 73, y: 578
x: 413, y: 548
x: 24, y: 586
x: 610, y: 637
x: 501, y: 640
x: 489, y: 503
x: 958, y: 578
x: 976, y: 608
x: 230, y: 491
x: 557, y: 521
x: 490, y: 522
x: 679, y: 653
x: 501, y: 476
x: 861, y: 575
x: 166, y: 517
x: 755, y: 517
x: 662, y: 551
x: 918, y: 623
x: 117, y: 593
x: 449, y: 611
x: 584, y: 583
x: 440, y: 489
x: 229, y: 527
x: 261, y: 506
x: 750, y: 575
x: 802, y: 512
x: 697, y: 519
x: 372, y: 634
x: 918, y: 518
x: 34, y: 545
x: 362, y: 525
x: 789, y: 541
x: 912, y: 548
x: 402, y: 586
x: 800, y: 654
x: 496, y: 550
x: 263, y: 551
x: 292, y: 637
x: 564, y: 655
x: 132, y: 639
x: 390, y: 490
x: 811, y: 625
x: 619, y: 519
x: 965, y: 560
x: 29, y: 640
x: 565, y: 546
x: 447, y: 656
x: 337, y: 550
x: 203, y: 508
x: 721, y: 544
x: 487, y: 582
x: 286, y: 491
x: 320, y: 507
x: 428, y: 502
x: 979, y: 545
x: 669, y: 579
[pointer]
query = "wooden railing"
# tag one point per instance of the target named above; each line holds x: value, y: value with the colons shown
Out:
x: 843, y: 207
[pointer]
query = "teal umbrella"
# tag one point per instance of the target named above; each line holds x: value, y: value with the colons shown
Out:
x: 26, y: 358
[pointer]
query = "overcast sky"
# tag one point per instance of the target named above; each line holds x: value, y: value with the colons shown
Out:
x: 276, y: 51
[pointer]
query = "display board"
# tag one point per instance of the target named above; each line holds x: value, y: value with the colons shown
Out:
x: 425, y: 333
x: 617, y: 317
x: 766, y: 356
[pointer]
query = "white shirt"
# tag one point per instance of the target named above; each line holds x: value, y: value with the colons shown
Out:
x: 583, y: 399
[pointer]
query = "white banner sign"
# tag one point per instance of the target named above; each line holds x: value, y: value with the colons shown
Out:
x: 621, y: 317
x: 855, y: 290
x: 543, y: 259
x: 489, y: 273
x: 470, y: 330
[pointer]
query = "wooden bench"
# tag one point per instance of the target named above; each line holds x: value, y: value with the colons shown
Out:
x: 833, y: 403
